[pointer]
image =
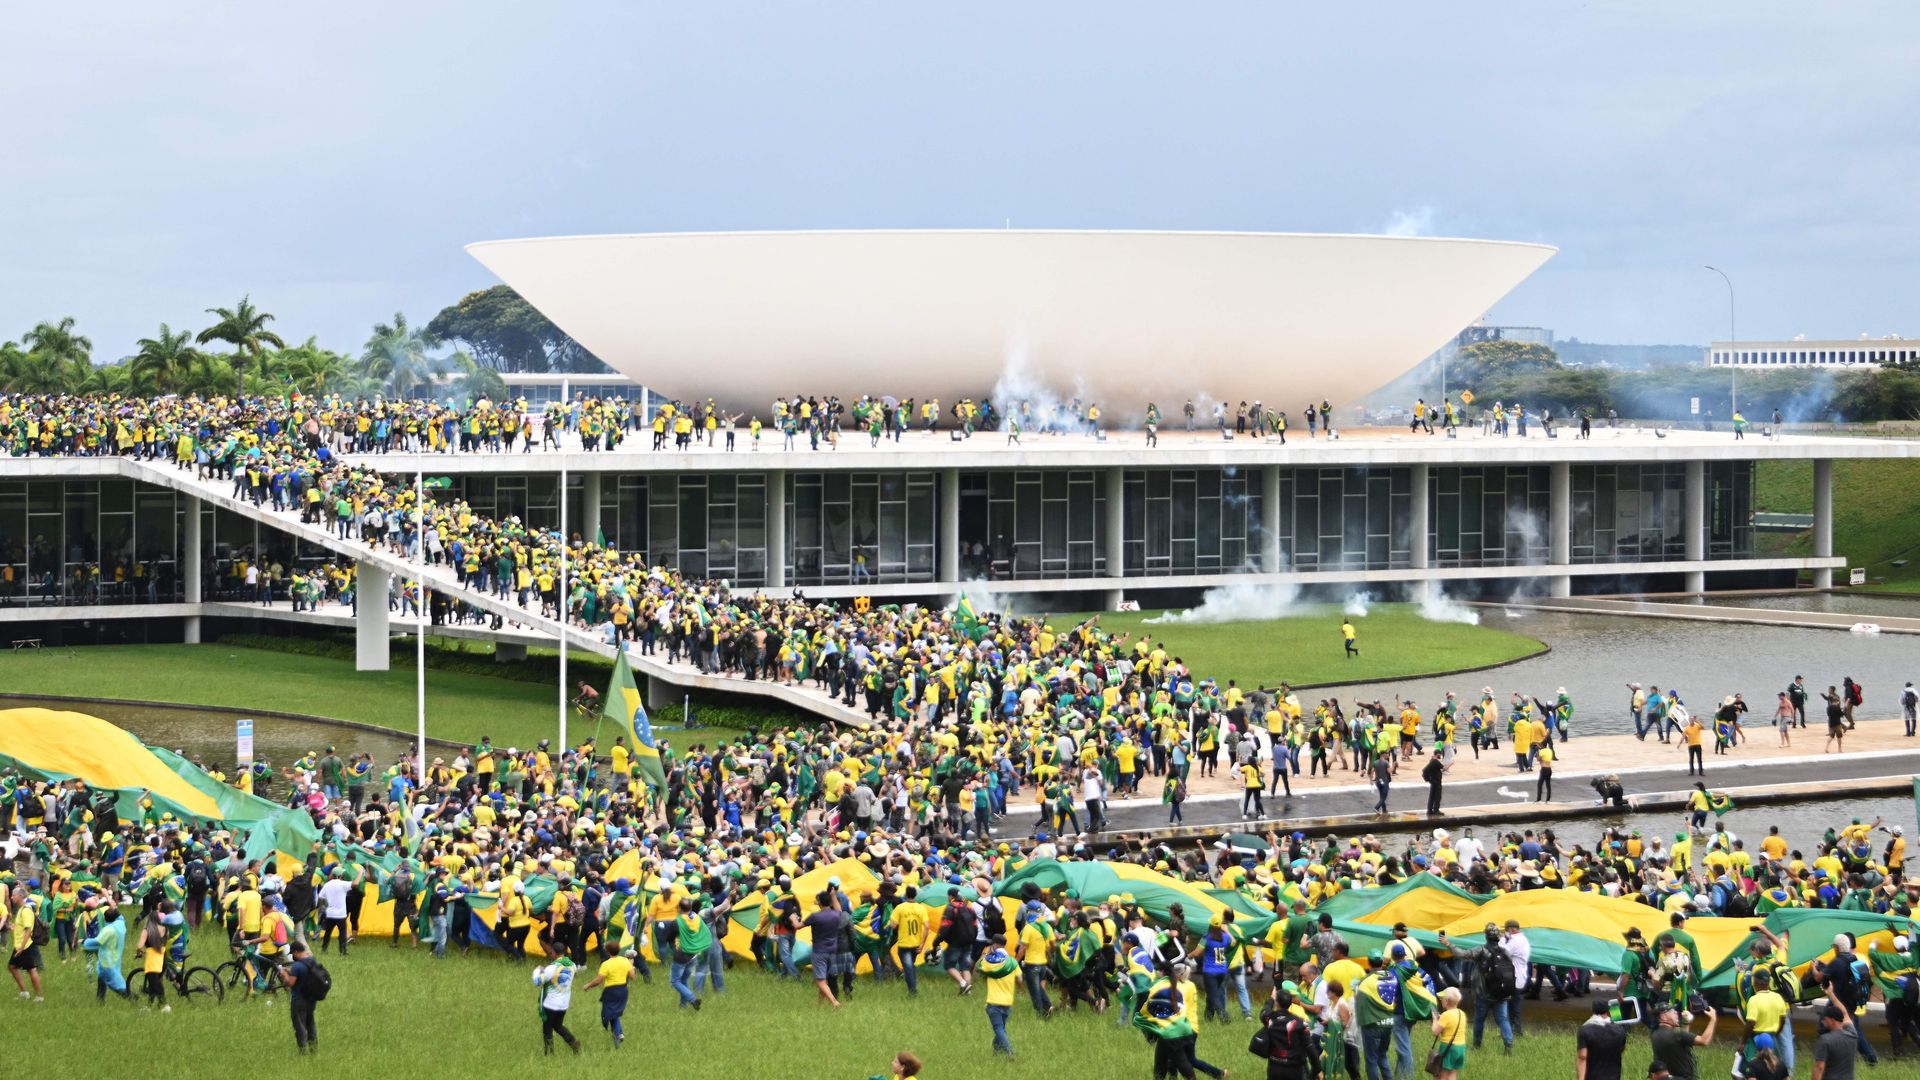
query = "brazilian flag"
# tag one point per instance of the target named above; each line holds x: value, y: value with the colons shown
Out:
x: 1076, y: 952
x: 622, y: 706
x: 1720, y: 803
x: 967, y: 621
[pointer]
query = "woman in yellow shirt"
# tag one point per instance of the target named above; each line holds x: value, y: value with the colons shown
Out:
x: 1450, y: 1035
x: 153, y: 960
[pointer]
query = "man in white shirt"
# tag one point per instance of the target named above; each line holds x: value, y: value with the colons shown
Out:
x: 1093, y: 792
x: 333, y: 909
x: 556, y: 983
x: 1521, y: 951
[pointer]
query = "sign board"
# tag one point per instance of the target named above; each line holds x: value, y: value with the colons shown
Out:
x: 1466, y: 397
x: 1856, y: 576
x: 243, y: 742
x: 1128, y: 605
x: 1696, y: 406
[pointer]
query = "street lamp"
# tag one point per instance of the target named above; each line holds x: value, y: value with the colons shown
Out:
x: 1733, y: 343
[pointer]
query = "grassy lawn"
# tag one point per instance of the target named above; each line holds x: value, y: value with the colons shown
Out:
x: 460, y: 705
x: 1305, y: 648
x: 1875, y: 504
x: 402, y: 1014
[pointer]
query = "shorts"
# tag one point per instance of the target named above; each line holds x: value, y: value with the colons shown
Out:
x: 822, y: 967
x: 27, y: 959
x: 957, y: 958
x: 1454, y: 1056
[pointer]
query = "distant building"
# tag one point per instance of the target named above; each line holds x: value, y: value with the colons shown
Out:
x: 1864, y: 352
x: 1532, y: 335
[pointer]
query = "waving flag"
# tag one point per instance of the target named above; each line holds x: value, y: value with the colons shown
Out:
x: 1719, y: 802
x: 967, y: 621
x: 623, y: 706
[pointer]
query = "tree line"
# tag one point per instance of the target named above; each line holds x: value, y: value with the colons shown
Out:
x: 459, y: 354
x: 1533, y: 375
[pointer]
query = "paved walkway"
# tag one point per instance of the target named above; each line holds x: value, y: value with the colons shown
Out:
x: 1877, y: 748
x: 1823, y: 620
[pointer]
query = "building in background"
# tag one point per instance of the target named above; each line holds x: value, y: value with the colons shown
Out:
x: 1801, y: 353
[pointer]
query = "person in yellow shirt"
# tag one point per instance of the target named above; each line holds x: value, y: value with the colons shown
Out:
x: 1001, y: 973
x: 153, y: 960
x: 1543, y: 787
x: 616, y: 971
x: 1036, y: 944
x: 909, y: 923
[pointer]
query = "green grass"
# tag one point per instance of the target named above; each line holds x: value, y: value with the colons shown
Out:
x: 460, y: 706
x: 1875, y: 504
x: 1305, y: 648
x: 403, y: 1014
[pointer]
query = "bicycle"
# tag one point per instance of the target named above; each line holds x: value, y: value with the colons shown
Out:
x: 242, y: 970
x: 194, y: 983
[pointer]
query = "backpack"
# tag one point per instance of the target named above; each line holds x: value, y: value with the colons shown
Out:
x: 39, y: 929
x: 1855, y: 696
x: 401, y: 885
x: 1909, y: 987
x: 1284, y: 1043
x: 319, y: 983
x: 197, y: 877
x: 1496, y: 973
x: 1738, y: 906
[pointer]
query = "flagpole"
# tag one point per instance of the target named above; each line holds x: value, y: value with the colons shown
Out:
x: 420, y: 626
x: 561, y: 597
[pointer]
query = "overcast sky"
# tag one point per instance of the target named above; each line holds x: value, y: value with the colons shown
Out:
x: 332, y: 160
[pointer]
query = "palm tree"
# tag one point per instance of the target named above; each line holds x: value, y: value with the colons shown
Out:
x: 396, y: 356
x: 243, y: 327
x: 204, y: 375
x: 310, y: 367
x: 474, y: 379
x: 159, y: 361
x: 58, y: 341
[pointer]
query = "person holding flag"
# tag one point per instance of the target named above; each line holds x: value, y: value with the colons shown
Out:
x: 623, y: 707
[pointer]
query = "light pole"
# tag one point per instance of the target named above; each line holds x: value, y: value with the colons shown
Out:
x: 1733, y: 343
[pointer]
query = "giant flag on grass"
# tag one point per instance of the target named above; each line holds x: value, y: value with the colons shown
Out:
x: 623, y: 706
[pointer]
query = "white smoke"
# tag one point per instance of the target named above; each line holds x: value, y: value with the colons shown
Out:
x: 1437, y: 606
x: 1358, y: 604
x: 1415, y: 222
x: 1235, y: 603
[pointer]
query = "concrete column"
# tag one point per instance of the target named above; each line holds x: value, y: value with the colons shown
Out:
x: 1270, y: 520
x: 192, y: 558
x: 1823, y: 518
x: 947, y: 546
x: 589, y: 505
x: 1694, y: 524
x: 1560, y: 526
x: 1116, y: 532
x: 776, y: 528
x: 1420, y: 520
x: 370, y: 624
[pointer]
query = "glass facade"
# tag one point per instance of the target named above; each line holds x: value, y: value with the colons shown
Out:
x: 1032, y: 524
x: 88, y: 541
x: 1729, y: 509
x: 1191, y: 521
x: 117, y: 541
x: 1493, y: 515
x: 1627, y: 513
x: 1637, y: 513
x: 854, y: 528
x: 1346, y: 519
